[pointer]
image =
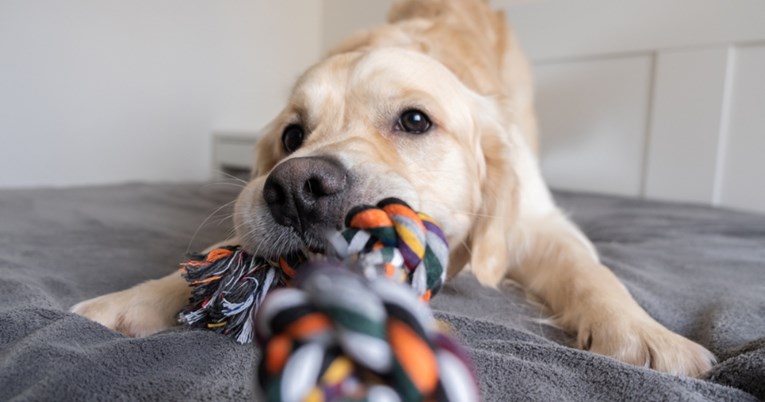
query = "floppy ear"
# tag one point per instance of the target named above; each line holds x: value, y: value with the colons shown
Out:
x: 490, y: 235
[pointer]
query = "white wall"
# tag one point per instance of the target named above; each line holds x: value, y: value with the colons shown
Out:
x: 343, y: 17
x: 101, y: 91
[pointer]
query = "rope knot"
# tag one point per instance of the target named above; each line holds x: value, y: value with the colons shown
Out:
x: 393, y: 240
x: 339, y: 336
x: 342, y: 330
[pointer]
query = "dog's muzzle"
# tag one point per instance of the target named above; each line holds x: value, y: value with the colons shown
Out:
x: 307, y: 193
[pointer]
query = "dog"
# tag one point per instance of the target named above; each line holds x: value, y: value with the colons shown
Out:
x: 435, y: 108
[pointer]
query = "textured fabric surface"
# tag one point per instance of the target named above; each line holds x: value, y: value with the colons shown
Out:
x: 700, y: 271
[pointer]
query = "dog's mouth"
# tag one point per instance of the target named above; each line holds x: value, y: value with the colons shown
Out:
x: 314, y: 243
x: 282, y: 240
x: 303, y: 204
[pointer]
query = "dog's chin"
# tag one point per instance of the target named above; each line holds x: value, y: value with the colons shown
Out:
x: 285, y: 240
x: 314, y: 241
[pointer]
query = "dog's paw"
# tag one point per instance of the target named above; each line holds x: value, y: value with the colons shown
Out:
x: 644, y: 342
x: 139, y: 311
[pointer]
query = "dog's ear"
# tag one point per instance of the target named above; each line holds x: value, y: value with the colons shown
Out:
x: 489, y: 237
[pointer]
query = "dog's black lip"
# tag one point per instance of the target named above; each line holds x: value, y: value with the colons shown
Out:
x: 309, y: 241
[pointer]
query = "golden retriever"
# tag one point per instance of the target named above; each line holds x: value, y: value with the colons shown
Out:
x: 435, y: 108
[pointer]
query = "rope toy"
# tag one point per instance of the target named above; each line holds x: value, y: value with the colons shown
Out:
x: 339, y: 336
x: 228, y: 284
x: 393, y: 240
x: 390, y: 240
x: 343, y: 327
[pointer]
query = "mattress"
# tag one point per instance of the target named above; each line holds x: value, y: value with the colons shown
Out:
x: 698, y: 270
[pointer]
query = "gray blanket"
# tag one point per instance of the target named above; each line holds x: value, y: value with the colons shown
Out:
x: 700, y: 271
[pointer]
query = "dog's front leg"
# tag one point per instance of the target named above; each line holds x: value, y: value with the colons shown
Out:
x: 144, y: 309
x: 558, y: 264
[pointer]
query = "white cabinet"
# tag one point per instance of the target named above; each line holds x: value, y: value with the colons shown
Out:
x: 233, y: 153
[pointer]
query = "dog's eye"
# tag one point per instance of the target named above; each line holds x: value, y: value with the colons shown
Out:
x: 413, y: 121
x: 292, y: 137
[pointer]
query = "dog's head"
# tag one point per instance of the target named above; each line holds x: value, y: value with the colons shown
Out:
x: 363, y: 126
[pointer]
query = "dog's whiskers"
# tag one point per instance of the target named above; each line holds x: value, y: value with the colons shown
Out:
x: 233, y: 231
x: 196, y: 232
x: 223, y: 183
x: 232, y: 177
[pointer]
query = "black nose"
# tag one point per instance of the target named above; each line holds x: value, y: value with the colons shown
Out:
x: 306, y: 192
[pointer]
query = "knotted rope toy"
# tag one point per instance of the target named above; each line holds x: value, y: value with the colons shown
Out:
x: 390, y: 240
x: 228, y: 284
x: 345, y: 329
x: 339, y: 336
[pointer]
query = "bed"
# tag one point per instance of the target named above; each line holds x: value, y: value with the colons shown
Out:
x: 698, y: 270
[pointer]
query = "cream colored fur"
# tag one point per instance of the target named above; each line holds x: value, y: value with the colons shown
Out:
x: 476, y: 172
